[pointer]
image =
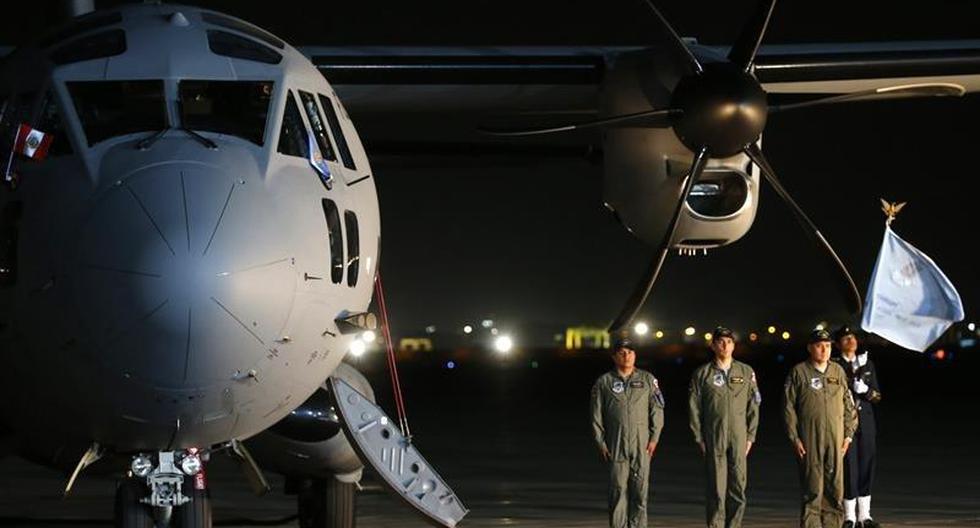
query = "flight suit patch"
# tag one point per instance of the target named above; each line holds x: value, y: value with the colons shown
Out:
x: 618, y: 387
x: 718, y: 380
x: 636, y: 384
x: 832, y: 380
x: 738, y: 379
x: 816, y: 383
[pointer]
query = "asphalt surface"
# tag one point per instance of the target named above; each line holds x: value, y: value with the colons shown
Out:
x: 513, y: 440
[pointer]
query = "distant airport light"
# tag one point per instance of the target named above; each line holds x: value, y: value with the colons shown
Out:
x: 940, y: 354
x: 357, y: 348
x: 641, y: 328
x: 487, y: 323
x: 431, y: 329
x: 450, y: 365
x: 503, y: 344
x: 707, y: 336
x: 972, y: 327
x: 494, y: 331
x: 467, y: 329
x: 820, y: 326
x: 753, y: 337
x: 368, y: 336
x: 689, y: 331
x: 659, y: 334
x: 785, y: 336
x: 771, y: 329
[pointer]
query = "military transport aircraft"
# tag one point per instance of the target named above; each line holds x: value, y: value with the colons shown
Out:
x: 190, y: 230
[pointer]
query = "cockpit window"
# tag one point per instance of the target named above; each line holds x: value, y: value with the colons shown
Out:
x: 338, y: 132
x: 243, y: 27
x: 231, y: 45
x: 237, y: 108
x: 293, y: 139
x: 316, y: 123
x: 97, y: 46
x: 80, y: 25
x: 50, y: 122
x: 109, y: 109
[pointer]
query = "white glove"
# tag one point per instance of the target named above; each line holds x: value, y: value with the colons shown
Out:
x: 860, y: 386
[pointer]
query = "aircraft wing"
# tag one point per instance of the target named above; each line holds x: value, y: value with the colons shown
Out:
x: 437, y: 95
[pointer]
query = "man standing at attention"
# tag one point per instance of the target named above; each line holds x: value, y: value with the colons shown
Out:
x: 859, y: 463
x: 820, y: 420
x: 724, y: 403
x: 627, y: 418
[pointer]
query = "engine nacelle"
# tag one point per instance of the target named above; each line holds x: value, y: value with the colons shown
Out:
x: 310, y: 441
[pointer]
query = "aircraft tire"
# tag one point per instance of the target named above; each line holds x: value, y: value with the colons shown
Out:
x: 327, y: 503
x: 129, y: 511
x: 196, y: 513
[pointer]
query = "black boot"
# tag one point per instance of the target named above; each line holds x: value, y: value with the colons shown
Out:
x: 870, y: 523
x: 849, y: 524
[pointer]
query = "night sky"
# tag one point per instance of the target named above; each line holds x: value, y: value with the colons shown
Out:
x: 526, y: 240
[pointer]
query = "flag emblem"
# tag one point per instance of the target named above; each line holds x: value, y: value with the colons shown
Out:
x: 32, y: 142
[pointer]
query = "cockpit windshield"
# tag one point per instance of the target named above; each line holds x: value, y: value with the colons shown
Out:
x: 237, y: 108
x: 109, y: 109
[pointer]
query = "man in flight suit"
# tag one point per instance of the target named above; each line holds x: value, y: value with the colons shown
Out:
x: 820, y: 420
x: 627, y: 418
x: 859, y: 463
x: 724, y: 403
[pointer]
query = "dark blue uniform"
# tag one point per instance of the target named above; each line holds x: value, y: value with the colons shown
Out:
x: 859, y: 462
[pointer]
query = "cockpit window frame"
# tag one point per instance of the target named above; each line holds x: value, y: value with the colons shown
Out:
x: 316, y: 120
x: 337, y: 130
x: 290, y: 102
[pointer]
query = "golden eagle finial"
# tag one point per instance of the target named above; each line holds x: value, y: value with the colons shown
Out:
x: 891, y: 210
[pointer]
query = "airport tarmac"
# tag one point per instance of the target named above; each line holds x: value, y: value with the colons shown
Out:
x: 514, y: 442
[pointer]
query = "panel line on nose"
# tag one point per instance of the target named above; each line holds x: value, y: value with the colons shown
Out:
x: 151, y: 219
x: 239, y: 321
x: 187, y: 346
x: 187, y: 225
x: 218, y: 223
x: 124, y: 329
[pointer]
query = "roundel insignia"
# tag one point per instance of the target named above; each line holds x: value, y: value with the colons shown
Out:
x: 718, y: 380
x: 816, y: 383
x: 618, y: 387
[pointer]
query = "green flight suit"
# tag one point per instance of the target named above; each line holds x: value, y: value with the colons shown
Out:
x: 819, y: 411
x: 724, y: 414
x: 627, y: 413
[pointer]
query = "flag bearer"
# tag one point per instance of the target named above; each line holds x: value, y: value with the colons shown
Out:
x: 724, y: 403
x: 820, y: 420
x: 859, y: 462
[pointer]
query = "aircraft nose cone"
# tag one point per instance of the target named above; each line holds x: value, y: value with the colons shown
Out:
x: 182, y: 276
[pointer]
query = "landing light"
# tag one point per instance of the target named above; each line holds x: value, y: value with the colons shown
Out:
x: 641, y: 328
x: 141, y: 466
x: 503, y: 344
x: 191, y: 464
x: 357, y: 348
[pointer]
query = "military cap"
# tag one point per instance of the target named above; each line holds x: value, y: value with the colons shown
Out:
x: 843, y: 331
x: 721, y: 331
x: 622, y: 342
x: 818, y: 335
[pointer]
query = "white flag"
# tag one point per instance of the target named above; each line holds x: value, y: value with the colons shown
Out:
x: 910, y: 302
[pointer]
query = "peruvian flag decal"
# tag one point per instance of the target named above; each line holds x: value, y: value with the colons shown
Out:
x: 32, y: 142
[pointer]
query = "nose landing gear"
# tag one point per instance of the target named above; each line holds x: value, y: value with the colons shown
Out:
x: 166, y: 489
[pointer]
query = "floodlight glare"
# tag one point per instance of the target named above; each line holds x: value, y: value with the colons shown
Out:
x: 641, y: 328
x: 357, y: 348
x: 368, y: 336
x: 503, y: 344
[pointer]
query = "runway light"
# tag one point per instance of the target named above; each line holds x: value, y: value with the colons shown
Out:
x: 641, y: 328
x: 785, y: 336
x: 357, y: 348
x: 771, y: 329
x: 503, y: 344
x: 689, y: 331
x: 659, y: 334
x: 467, y: 329
x: 368, y: 336
x: 753, y: 337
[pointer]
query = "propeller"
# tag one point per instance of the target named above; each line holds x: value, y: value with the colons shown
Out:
x: 643, y: 287
x: 718, y: 110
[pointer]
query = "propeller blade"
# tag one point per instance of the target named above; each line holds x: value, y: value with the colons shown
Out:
x: 743, y: 51
x: 901, y: 90
x: 676, y: 41
x: 643, y: 287
x: 658, y: 118
x: 846, y: 283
